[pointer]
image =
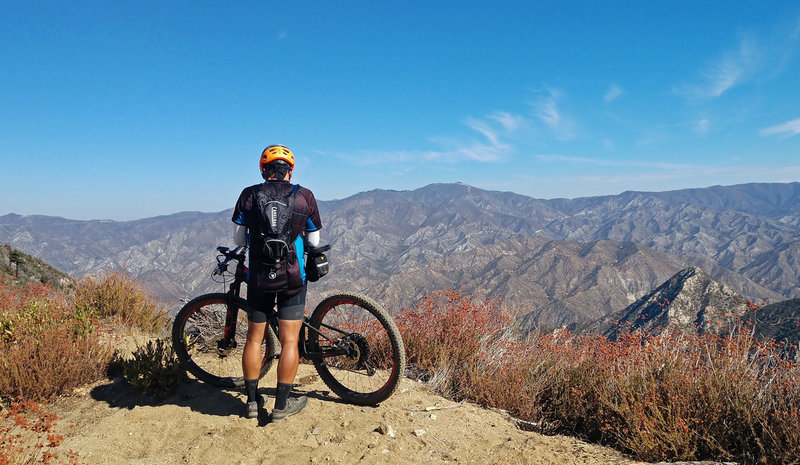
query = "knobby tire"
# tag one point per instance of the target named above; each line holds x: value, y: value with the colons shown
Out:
x: 199, y: 325
x: 374, y: 362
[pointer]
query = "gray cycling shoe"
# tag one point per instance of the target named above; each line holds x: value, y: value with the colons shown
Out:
x: 293, y: 405
x: 254, y: 407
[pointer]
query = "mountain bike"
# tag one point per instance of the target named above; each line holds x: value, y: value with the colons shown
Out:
x: 352, y: 341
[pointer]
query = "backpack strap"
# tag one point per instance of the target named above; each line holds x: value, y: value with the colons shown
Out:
x: 292, y: 194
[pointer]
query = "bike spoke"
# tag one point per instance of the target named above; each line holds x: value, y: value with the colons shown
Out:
x: 205, y: 329
x: 201, y: 345
x: 359, y: 349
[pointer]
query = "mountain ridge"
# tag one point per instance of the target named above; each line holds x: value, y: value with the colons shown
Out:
x: 746, y: 235
x: 690, y: 301
x: 21, y: 268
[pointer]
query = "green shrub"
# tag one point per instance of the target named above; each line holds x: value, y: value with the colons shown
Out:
x: 154, y: 369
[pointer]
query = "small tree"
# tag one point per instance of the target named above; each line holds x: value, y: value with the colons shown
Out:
x: 16, y: 257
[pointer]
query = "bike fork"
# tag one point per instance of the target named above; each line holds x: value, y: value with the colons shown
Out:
x: 228, y: 340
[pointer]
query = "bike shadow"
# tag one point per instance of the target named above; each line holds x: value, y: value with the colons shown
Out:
x: 197, y: 396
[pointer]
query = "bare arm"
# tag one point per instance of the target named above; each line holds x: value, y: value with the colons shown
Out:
x: 312, y: 237
x: 240, y: 235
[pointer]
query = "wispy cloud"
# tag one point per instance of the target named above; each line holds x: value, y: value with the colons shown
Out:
x: 614, y: 92
x: 477, y: 152
x: 624, y: 171
x: 733, y: 68
x: 701, y: 126
x: 690, y: 176
x: 757, y: 57
x: 788, y: 129
x: 496, y: 126
x: 489, y: 147
x: 609, y: 163
x: 508, y: 121
x: 484, y: 128
x: 491, y: 138
x: 546, y: 109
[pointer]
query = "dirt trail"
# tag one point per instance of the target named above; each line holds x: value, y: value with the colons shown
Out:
x: 201, y: 424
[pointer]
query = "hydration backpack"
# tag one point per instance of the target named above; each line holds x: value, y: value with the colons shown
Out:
x: 275, y: 227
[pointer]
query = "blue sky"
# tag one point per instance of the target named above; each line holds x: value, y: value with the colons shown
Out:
x: 126, y: 110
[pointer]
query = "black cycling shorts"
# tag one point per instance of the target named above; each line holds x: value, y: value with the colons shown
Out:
x: 261, y: 306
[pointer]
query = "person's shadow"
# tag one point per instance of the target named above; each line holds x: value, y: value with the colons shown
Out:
x: 195, y: 395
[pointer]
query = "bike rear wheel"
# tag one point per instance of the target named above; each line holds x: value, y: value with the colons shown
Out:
x: 197, y: 336
x: 359, y: 353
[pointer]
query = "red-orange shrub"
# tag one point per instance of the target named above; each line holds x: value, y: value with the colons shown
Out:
x: 660, y: 397
x: 28, y: 434
x: 444, y: 332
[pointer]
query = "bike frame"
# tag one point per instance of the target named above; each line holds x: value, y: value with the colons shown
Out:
x: 234, y: 294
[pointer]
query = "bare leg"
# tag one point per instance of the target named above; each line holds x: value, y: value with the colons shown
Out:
x: 251, y: 358
x: 290, y: 358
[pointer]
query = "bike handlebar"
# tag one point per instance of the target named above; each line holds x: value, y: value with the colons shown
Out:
x: 238, y: 254
x: 235, y: 254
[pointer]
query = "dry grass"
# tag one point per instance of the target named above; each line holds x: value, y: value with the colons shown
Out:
x: 116, y: 296
x: 47, y: 346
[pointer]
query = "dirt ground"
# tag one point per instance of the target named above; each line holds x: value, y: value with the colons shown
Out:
x: 112, y: 423
x: 202, y: 424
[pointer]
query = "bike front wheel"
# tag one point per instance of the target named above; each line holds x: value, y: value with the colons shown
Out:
x: 358, y: 351
x: 199, y: 342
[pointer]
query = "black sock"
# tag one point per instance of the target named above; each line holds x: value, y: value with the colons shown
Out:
x: 282, y: 394
x: 251, y: 386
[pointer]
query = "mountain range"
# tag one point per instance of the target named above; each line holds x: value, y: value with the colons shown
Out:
x: 552, y: 262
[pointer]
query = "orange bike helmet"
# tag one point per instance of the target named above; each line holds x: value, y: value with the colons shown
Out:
x: 276, y: 152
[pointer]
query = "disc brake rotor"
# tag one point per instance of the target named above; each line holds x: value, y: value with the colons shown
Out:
x: 358, y: 349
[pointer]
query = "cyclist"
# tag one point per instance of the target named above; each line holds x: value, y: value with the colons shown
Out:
x: 276, y: 165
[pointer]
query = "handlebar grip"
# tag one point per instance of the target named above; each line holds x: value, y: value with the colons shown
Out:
x: 318, y: 250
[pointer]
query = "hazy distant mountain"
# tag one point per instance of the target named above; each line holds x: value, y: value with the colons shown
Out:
x: 736, y: 238
x: 171, y: 254
x: 555, y: 261
x: 546, y: 283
